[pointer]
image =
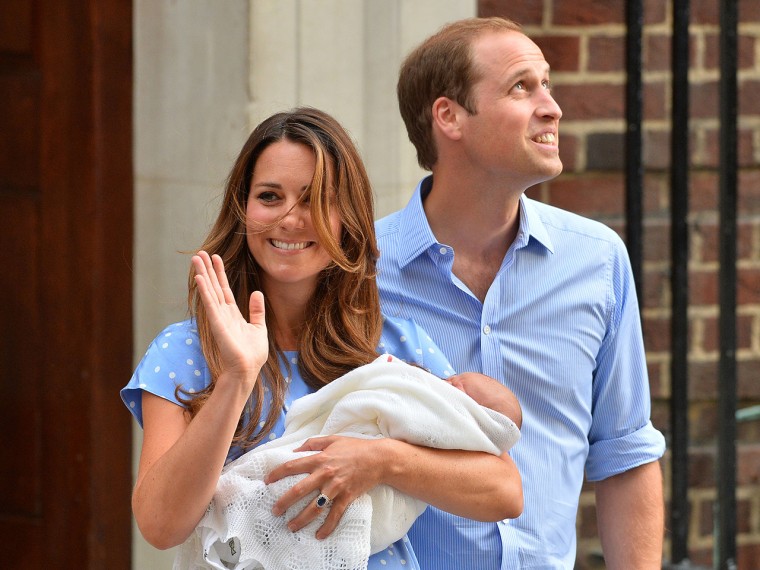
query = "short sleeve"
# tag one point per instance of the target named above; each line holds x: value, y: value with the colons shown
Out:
x: 174, y: 358
x: 406, y: 340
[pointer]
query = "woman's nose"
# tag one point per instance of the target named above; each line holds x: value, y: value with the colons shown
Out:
x: 295, y: 217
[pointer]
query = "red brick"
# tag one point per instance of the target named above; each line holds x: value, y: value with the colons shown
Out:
x: 748, y: 286
x: 703, y: 12
x: 705, y: 517
x: 747, y: 556
x: 656, y: 52
x: 749, y: 102
x: 748, y: 465
x: 712, y: 148
x: 701, y: 468
x: 654, y: 99
x: 746, y: 232
x: 656, y: 155
x: 701, y: 557
x: 524, y: 13
x: 703, y: 381
x: 568, y: 151
x: 605, y: 151
x: 656, y: 334
x: 703, y: 99
x: 748, y: 379
x: 588, y: 13
x: 745, y: 48
x: 656, y: 286
x: 708, y: 235
x: 703, y: 245
x: 661, y: 414
x: 591, y: 101
x: 743, y: 514
x: 703, y: 423
x: 606, y: 53
x: 656, y: 189
x: 703, y: 287
x: 703, y: 191
x: 656, y: 245
x: 749, y: 192
x: 711, y: 340
x: 749, y: 11
x: 655, y: 11
x: 747, y: 431
x: 562, y: 52
x: 591, y: 196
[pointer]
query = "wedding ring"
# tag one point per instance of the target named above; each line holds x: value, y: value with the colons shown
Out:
x: 323, y: 501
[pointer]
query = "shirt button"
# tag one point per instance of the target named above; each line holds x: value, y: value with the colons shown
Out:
x: 443, y: 251
x: 487, y: 329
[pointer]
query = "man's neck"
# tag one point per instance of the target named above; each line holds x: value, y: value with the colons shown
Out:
x: 479, y: 223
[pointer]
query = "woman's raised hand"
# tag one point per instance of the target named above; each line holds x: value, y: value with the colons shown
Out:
x: 243, y: 345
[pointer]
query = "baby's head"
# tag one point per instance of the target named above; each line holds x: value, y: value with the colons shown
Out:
x: 489, y: 393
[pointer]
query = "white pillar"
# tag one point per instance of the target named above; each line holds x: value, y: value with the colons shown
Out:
x: 343, y: 56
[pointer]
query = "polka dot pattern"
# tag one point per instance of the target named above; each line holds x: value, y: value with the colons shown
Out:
x: 175, y: 358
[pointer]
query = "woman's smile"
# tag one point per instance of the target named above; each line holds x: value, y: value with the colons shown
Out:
x: 290, y: 246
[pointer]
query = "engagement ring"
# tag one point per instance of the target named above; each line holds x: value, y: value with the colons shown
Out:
x: 323, y: 501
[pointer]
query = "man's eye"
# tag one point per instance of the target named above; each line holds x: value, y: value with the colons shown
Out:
x: 520, y: 86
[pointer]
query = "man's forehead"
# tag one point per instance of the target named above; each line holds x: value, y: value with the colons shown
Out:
x: 508, y: 49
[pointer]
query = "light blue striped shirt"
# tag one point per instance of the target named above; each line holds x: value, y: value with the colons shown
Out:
x: 560, y: 326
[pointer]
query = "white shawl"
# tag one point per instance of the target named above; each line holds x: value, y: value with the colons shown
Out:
x: 386, y: 398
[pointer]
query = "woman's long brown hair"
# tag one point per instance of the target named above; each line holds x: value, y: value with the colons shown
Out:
x: 342, y: 324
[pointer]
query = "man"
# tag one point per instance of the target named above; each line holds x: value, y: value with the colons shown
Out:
x: 541, y: 299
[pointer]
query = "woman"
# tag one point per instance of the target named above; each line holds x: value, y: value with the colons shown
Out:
x: 285, y: 303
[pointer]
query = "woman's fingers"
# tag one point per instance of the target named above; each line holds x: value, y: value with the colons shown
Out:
x: 256, y: 314
x: 204, y: 273
x: 221, y: 279
x: 335, y: 508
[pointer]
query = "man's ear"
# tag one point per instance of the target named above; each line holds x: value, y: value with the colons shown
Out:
x: 446, y: 117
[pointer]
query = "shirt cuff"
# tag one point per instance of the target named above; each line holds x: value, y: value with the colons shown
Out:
x: 611, y: 457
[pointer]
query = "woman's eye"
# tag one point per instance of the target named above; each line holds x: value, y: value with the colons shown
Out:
x: 267, y: 197
x: 520, y: 86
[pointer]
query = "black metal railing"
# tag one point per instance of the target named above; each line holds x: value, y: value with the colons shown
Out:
x: 725, y: 520
x: 725, y: 512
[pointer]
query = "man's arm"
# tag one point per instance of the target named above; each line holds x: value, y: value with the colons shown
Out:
x: 630, y: 517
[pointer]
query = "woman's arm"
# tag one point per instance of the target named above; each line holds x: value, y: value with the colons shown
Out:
x: 471, y: 484
x: 181, y: 460
x: 180, y: 463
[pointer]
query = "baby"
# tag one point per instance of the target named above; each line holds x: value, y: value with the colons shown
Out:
x: 479, y: 387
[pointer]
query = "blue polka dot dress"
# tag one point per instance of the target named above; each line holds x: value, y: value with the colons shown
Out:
x: 175, y: 358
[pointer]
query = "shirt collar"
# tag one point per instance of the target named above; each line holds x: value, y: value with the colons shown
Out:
x: 416, y: 236
x: 414, y: 230
x: 531, y: 224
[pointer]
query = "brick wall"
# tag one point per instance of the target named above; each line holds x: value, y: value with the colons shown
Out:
x: 584, y: 41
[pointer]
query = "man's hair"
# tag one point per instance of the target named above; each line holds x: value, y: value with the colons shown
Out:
x: 441, y: 66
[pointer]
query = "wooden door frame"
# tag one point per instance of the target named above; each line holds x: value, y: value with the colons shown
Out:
x: 87, y: 230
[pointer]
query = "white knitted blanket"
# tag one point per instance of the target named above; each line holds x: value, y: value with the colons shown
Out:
x: 386, y: 398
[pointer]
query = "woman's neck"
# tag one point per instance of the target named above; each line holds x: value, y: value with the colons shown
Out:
x: 289, y: 312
